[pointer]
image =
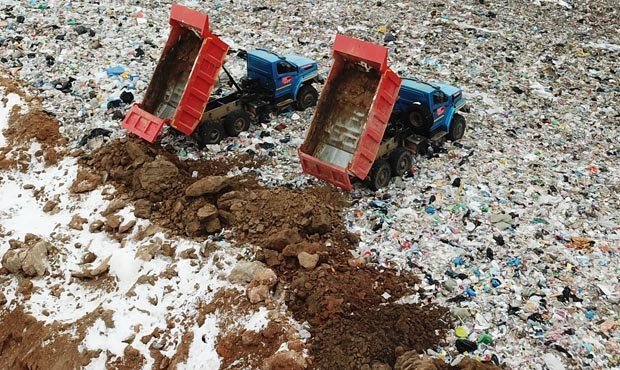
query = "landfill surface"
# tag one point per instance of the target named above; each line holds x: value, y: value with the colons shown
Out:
x: 497, y: 251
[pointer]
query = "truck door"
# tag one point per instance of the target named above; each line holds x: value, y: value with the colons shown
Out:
x: 285, y: 74
x: 439, y: 104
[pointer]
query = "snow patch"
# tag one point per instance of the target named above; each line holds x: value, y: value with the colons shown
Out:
x: 12, y: 100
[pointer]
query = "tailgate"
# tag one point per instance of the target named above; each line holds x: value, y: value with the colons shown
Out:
x: 142, y: 123
x: 325, y: 171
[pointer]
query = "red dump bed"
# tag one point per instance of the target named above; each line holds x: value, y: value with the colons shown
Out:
x: 352, y: 113
x: 183, y: 80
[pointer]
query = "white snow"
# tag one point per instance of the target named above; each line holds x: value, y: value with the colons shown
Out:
x: 5, y: 110
x: 202, y: 354
x: 257, y: 321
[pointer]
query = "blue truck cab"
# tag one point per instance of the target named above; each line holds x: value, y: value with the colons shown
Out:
x: 430, y: 109
x: 288, y: 79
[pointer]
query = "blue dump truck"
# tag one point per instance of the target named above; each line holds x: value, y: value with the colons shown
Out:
x: 369, y: 123
x: 179, y: 93
x: 424, y: 113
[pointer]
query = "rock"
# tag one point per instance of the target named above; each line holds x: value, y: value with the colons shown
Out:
x: 115, y: 205
x: 207, y: 211
x: 293, y: 250
x: 127, y: 226
x: 49, y: 206
x: 321, y: 223
x: 272, y: 258
x: 12, y: 261
x: 158, y: 175
x: 113, y: 222
x: 89, y: 257
x: 281, y: 239
x: 24, y: 287
x: 213, y: 225
x: 85, y: 182
x: 356, y: 262
x: 189, y: 253
x: 2, y: 299
x: 147, y: 252
x: 258, y: 294
x: 285, y: 360
x: 243, y: 272
x: 207, y: 185
x: 307, y: 260
x: 91, y: 273
x: 76, y: 222
x: 264, y: 276
x: 142, y: 208
x: 95, y: 226
x: 35, y: 261
x: 134, y: 150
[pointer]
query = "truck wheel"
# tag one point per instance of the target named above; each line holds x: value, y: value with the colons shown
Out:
x: 236, y: 122
x: 306, y: 97
x: 380, y: 175
x: 419, y: 118
x: 457, y: 127
x: 210, y: 133
x: 401, y: 161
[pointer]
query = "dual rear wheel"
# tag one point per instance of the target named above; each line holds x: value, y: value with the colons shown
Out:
x: 212, y: 132
x: 398, y: 163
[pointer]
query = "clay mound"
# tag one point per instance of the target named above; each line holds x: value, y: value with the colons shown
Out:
x: 373, y: 335
x: 26, y: 343
x: 321, y: 295
x: 156, y: 180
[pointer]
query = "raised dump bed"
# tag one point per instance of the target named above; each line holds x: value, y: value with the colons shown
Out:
x: 352, y: 113
x: 183, y: 80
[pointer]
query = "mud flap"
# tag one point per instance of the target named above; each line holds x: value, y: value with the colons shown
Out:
x: 143, y: 123
x: 325, y: 171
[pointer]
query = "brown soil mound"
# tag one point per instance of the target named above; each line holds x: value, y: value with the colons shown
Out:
x: 372, y: 335
x: 155, y: 179
x: 26, y: 343
x: 250, y: 348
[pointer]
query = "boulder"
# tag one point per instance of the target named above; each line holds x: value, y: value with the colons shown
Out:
x: 207, y: 211
x: 207, y: 185
x: 35, y: 260
x: 12, y: 260
x: 243, y: 272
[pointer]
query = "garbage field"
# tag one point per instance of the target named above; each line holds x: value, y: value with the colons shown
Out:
x: 497, y: 250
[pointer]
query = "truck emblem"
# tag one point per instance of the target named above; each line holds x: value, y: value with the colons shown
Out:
x: 287, y: 79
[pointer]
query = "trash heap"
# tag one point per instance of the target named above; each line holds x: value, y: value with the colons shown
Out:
x: 515, y: 228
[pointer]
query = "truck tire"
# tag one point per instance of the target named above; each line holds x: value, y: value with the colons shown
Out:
x: 236, y: 122
x: 210, y: 132
x: 380, y: 175
x: 419, y: 118
x: 401, y: 161
x: 306, y: 97
x: 457, y: 127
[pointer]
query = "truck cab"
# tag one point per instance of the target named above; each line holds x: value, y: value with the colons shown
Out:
x: 430, y: 109
x: 286, y: 79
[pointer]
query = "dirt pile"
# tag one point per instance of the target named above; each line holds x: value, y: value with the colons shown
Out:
x: 349, y: 304
x: 156, y: 180
x: 26, y: 126
x: 413, y: 361
x: 26, y: 343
